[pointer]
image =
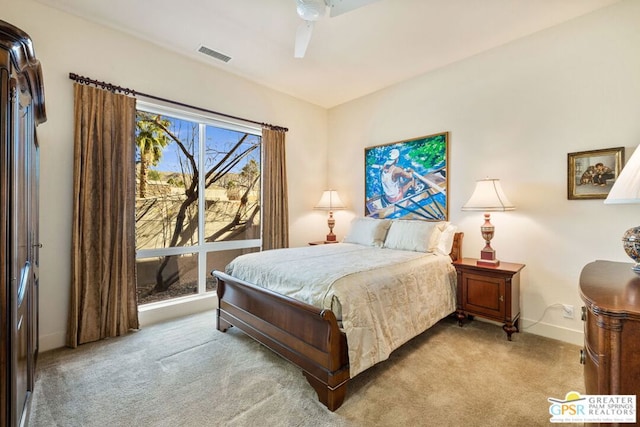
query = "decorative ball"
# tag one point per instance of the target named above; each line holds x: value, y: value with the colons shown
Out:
x: 631, y: 243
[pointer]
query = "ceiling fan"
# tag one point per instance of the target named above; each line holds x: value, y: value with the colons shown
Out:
x: 311, y: 11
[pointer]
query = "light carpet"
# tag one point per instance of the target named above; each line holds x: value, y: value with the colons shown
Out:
x: 186, y: 373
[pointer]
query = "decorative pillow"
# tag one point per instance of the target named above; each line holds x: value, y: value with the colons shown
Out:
x: 367, y: 231
x: 409, y: 235
x: 441, y: 240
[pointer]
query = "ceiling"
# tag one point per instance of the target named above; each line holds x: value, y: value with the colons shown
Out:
x: 349, y: 55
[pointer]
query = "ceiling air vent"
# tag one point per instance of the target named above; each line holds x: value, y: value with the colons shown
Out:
x: 212, y: 53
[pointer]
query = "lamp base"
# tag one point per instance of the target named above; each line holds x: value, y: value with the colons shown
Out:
x: 488, y: 263
x: 488, y: 257
x: 331, y: 223
x: 487, y: 254
x: 631, y: 245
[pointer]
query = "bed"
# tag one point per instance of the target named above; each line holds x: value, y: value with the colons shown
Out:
x: 307, y: 303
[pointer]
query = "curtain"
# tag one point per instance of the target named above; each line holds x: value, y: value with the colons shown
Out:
x: 275, y: 203
x: 103, y: 271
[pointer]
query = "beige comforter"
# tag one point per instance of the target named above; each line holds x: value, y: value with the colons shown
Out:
x: 386, y: 297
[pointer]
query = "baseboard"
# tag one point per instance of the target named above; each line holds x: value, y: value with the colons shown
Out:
x: 159, y: 313
x: 51, y: 341
x: 570, y: 336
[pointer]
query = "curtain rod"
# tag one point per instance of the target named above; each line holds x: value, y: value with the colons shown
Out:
x: 126, y: 91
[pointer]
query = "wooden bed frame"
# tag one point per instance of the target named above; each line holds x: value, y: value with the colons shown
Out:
x: 305, y: 335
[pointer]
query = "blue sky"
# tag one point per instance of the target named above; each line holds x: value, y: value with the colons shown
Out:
x: 217, y: 138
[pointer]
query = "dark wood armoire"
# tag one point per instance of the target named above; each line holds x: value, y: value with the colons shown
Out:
x: 21, y: 109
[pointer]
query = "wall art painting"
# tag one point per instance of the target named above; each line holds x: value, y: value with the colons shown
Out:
x: 408, y: 179
x: 591, y: 174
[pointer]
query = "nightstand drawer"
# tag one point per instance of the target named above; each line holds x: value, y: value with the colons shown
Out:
x: 484, y: 295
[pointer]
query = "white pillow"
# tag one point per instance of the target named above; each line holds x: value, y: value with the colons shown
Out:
x: 367, y: 231
x: 441, y: 240
x: 409, y: 235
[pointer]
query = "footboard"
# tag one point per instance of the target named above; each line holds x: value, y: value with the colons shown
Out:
x: 301, y: 333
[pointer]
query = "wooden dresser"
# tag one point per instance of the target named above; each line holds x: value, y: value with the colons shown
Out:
x: 611, y: 354
x: 21, y: 109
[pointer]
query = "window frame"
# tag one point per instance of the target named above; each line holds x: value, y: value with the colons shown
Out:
x: 202, y: 248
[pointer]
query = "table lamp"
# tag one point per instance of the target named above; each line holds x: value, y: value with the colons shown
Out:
x: 626, y: 189
x: 488, y: 197
x: 330, y: 201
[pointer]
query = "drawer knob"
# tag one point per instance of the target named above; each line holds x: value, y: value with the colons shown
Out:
x: 583, y: 356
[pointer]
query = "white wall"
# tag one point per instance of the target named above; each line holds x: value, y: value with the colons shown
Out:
x: 64, y: 44
x: 514, y: 113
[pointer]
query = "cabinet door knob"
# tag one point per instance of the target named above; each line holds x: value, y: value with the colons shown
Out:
x: 501, y: 298
x: 583, y: 356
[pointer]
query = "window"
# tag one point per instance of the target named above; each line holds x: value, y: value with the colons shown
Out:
x: 197, y: 200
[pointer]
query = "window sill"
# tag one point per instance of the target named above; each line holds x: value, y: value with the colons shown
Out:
x: 156, y: 312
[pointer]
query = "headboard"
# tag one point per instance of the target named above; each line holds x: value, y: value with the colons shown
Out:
x: 456, y: 249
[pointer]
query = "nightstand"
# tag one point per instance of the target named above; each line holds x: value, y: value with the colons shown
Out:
x: 322, y: 242
x: 489, y: 292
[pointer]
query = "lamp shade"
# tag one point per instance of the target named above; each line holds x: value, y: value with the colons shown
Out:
x: 330, y: 201
x: 626, y: 189
x: 488, y: 197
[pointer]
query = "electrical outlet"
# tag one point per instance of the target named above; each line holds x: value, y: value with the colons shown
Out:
x: 567, y: 311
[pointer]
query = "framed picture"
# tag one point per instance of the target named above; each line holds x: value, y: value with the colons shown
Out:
x: 408, y: 179
x: 591, y: 174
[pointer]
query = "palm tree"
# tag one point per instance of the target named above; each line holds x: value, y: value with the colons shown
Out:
x: 249, y: 172
x: 151, y: 140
